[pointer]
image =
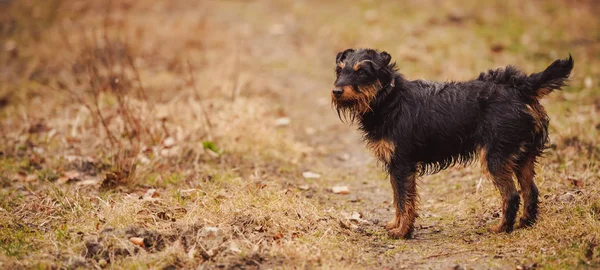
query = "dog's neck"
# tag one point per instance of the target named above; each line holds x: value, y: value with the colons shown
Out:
x: 388, y: 96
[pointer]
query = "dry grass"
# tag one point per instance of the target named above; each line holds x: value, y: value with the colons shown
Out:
x: 124, y: 119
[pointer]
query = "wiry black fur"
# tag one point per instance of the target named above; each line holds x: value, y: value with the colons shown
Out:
x: 434, y: 125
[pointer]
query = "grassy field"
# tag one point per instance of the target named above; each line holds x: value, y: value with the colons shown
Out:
x: 174, y: 134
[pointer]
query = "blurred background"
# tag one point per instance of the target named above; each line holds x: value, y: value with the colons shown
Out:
x: 205, y: 129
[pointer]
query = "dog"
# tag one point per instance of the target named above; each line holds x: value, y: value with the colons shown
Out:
x: 422, y: 127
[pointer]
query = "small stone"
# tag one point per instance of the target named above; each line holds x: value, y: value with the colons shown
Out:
x: 282, y: 121
x: 169, y: 142
x: 310, y: 175
x: 340, y: 190
x: 344, y: 157
x: 10, y: 45
x: 31, y: 178
x: 303, y: 187
x: 587, y: 82
x: 310, y: 131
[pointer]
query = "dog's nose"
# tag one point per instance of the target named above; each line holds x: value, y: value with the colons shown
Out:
x: 337, y: 92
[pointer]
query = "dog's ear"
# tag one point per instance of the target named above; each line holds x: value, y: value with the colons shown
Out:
x: 342, y: 55
x: 385, y: 59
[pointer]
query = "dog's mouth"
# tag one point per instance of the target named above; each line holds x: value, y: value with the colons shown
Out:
x: 349, y: 95
x: 350, y: 102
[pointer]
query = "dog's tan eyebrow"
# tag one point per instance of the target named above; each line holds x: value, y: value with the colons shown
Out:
x: 341, y: 65
x: 357, y: 65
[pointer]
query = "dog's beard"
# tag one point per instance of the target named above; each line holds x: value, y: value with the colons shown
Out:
x: 355, y: 103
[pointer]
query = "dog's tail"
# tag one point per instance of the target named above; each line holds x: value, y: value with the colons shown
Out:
x: 538, y: 85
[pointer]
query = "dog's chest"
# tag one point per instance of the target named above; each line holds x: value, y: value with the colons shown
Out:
x: 382, y: 149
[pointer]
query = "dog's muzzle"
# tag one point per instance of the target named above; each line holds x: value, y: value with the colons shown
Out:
x: 338, y: 91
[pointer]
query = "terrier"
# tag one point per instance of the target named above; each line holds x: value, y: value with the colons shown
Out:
x: 422, y: 127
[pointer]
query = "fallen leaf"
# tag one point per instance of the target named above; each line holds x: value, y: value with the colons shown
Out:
x: 567, y: 197
x: 68, y: 176
x: 260, y: 185
x: 278, y: 235
x: 347, y: 225
x: 310, y: 175
x: 354, y: 217
x: 150, y: 195
x: 340, y: 190
x: 210, y: 231
x: 575, y: 182
x: 137, y: 241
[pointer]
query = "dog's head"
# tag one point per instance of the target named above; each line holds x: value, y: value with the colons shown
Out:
x: 360, y: 74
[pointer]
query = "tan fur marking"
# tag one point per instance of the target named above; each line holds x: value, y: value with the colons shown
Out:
x: 341, y: 64
x: 368, y: 93
x: 356, y: 66
x: 522, y: 148
x: 404, y: 220
x: 382, y: 149
x: 363, y: 98
x: 525, y: 176
x: 483, y: 162
x: 542, y: 92
x: 505, y: 184
x: 394, y: 223
x: 537, y: 115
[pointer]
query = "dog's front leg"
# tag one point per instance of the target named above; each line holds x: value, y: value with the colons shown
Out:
x: 404, y: 186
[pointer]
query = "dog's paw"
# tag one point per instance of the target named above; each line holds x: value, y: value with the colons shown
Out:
x: 525, y: 223
x: 392, y: 224
x: 401, y: 232
x: 501, y: 228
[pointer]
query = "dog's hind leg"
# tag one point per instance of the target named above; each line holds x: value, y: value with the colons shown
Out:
x: 404, y: 186
x: 501, y: 167
x: 525, y: 172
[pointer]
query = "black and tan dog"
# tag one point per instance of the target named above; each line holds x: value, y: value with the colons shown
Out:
x: 418, y: 127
